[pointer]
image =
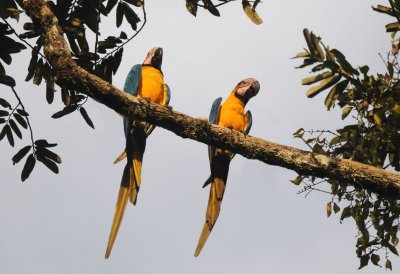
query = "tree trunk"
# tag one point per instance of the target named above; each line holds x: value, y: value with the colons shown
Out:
x: 306, y: 163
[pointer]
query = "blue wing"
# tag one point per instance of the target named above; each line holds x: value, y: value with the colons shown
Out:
x: 249, y: 122
x: 132, y: 86
x: 214, y: 119
x: 214, y: 113
x: 133, y: 80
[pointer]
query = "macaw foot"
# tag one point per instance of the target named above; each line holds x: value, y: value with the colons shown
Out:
x: 147, y: 99
x: 169, y: 108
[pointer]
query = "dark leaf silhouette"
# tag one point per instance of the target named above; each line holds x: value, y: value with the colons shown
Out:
x: 21, y: 154
x: 28, y: 167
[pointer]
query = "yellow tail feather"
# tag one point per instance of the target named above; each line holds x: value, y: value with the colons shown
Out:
x: 203, y: 238
x: 119, y: 214
x: 120, y: 157
x: 213, y: 208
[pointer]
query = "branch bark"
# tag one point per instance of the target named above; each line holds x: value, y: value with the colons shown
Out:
x: 69, y: 73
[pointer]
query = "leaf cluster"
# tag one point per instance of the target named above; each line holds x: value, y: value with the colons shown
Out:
x: 371, y: 137
x: 250, y: 10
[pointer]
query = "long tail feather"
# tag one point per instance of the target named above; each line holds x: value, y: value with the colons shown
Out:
x: 213, y: 208
x: 119, y: 210
x: 136, y: 171
x: 217, y: 180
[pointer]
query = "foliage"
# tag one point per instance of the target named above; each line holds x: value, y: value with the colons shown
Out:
x: 372, y: 136
x: 101, y: 57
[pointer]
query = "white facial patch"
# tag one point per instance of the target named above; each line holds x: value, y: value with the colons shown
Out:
x: 244, y: 85
x: 150, y: 56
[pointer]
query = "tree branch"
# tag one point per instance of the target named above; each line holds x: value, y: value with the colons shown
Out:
x: 307, y: 163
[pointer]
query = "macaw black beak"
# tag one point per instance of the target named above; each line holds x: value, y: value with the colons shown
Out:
x: 158, y: 54
x: 255, y: 88
x: 157, y: 58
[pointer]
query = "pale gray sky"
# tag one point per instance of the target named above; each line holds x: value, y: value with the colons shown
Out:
x: 60, y: 223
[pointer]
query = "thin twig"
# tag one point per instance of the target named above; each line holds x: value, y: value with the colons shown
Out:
x: 133, y: 36
x: 26, y: 117
x: 97, y: 36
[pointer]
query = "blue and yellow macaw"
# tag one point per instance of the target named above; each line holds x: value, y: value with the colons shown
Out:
x: 146, y: 81
x: 231, y: 115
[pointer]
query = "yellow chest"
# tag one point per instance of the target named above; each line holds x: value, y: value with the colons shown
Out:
x: 232, y: 114
x: 152, y: 85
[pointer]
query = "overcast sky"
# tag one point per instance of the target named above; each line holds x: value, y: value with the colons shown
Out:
x: 60, y: 223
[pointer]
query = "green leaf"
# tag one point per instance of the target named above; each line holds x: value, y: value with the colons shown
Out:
x: 315, y: 78
x: 20, y: 120
x: 328, y: 209
x: 388, y: 265
x: 22, y: 112
x: 210, y: 7
x: 337, y: 89
x: 378, y: 116
x: 9, y: 135
x: 299, y: 133
x: 375, y: 259
x: 383, y: 9
x: 3, y: 133
x: 318, y: 149
x: 297, y: 180
x: 28, y: 167
x: 37, y: 78
x: 390, y: 69
x: 315, y: 40
x: 323, y: 85
x: 110, y: 5
x: 303, y: 54
x: 32, y: 66
x: 43, y: 152
x: 44, y: 143
x: 392, y: 249
x: 345, y: 214
x: 336, y: 208
x: 86, y: 117
x: 3, y: 113
x: 307, y: 36
x: 191, y: 7
x: 117, y: 60
x: 4, y: 103
x: 50, y: 90
x: 131, y: 16
x: 21, y: 154
x: 346, y: 111
x: 392, y: 27
x: 343, y: 62
x: 15, y: 128
x: 364, y: 69
x: 123, y: 36
x: 363, y: 261
x: 48, y: 163
x: 64, y: 111
x: 120, y: 14
x: 251, y: 12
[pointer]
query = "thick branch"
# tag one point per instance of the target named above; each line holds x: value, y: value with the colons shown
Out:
x: 69, y: 73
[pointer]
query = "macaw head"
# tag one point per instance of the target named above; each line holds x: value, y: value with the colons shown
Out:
x: 154, y: 58
x: 246, y: 89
